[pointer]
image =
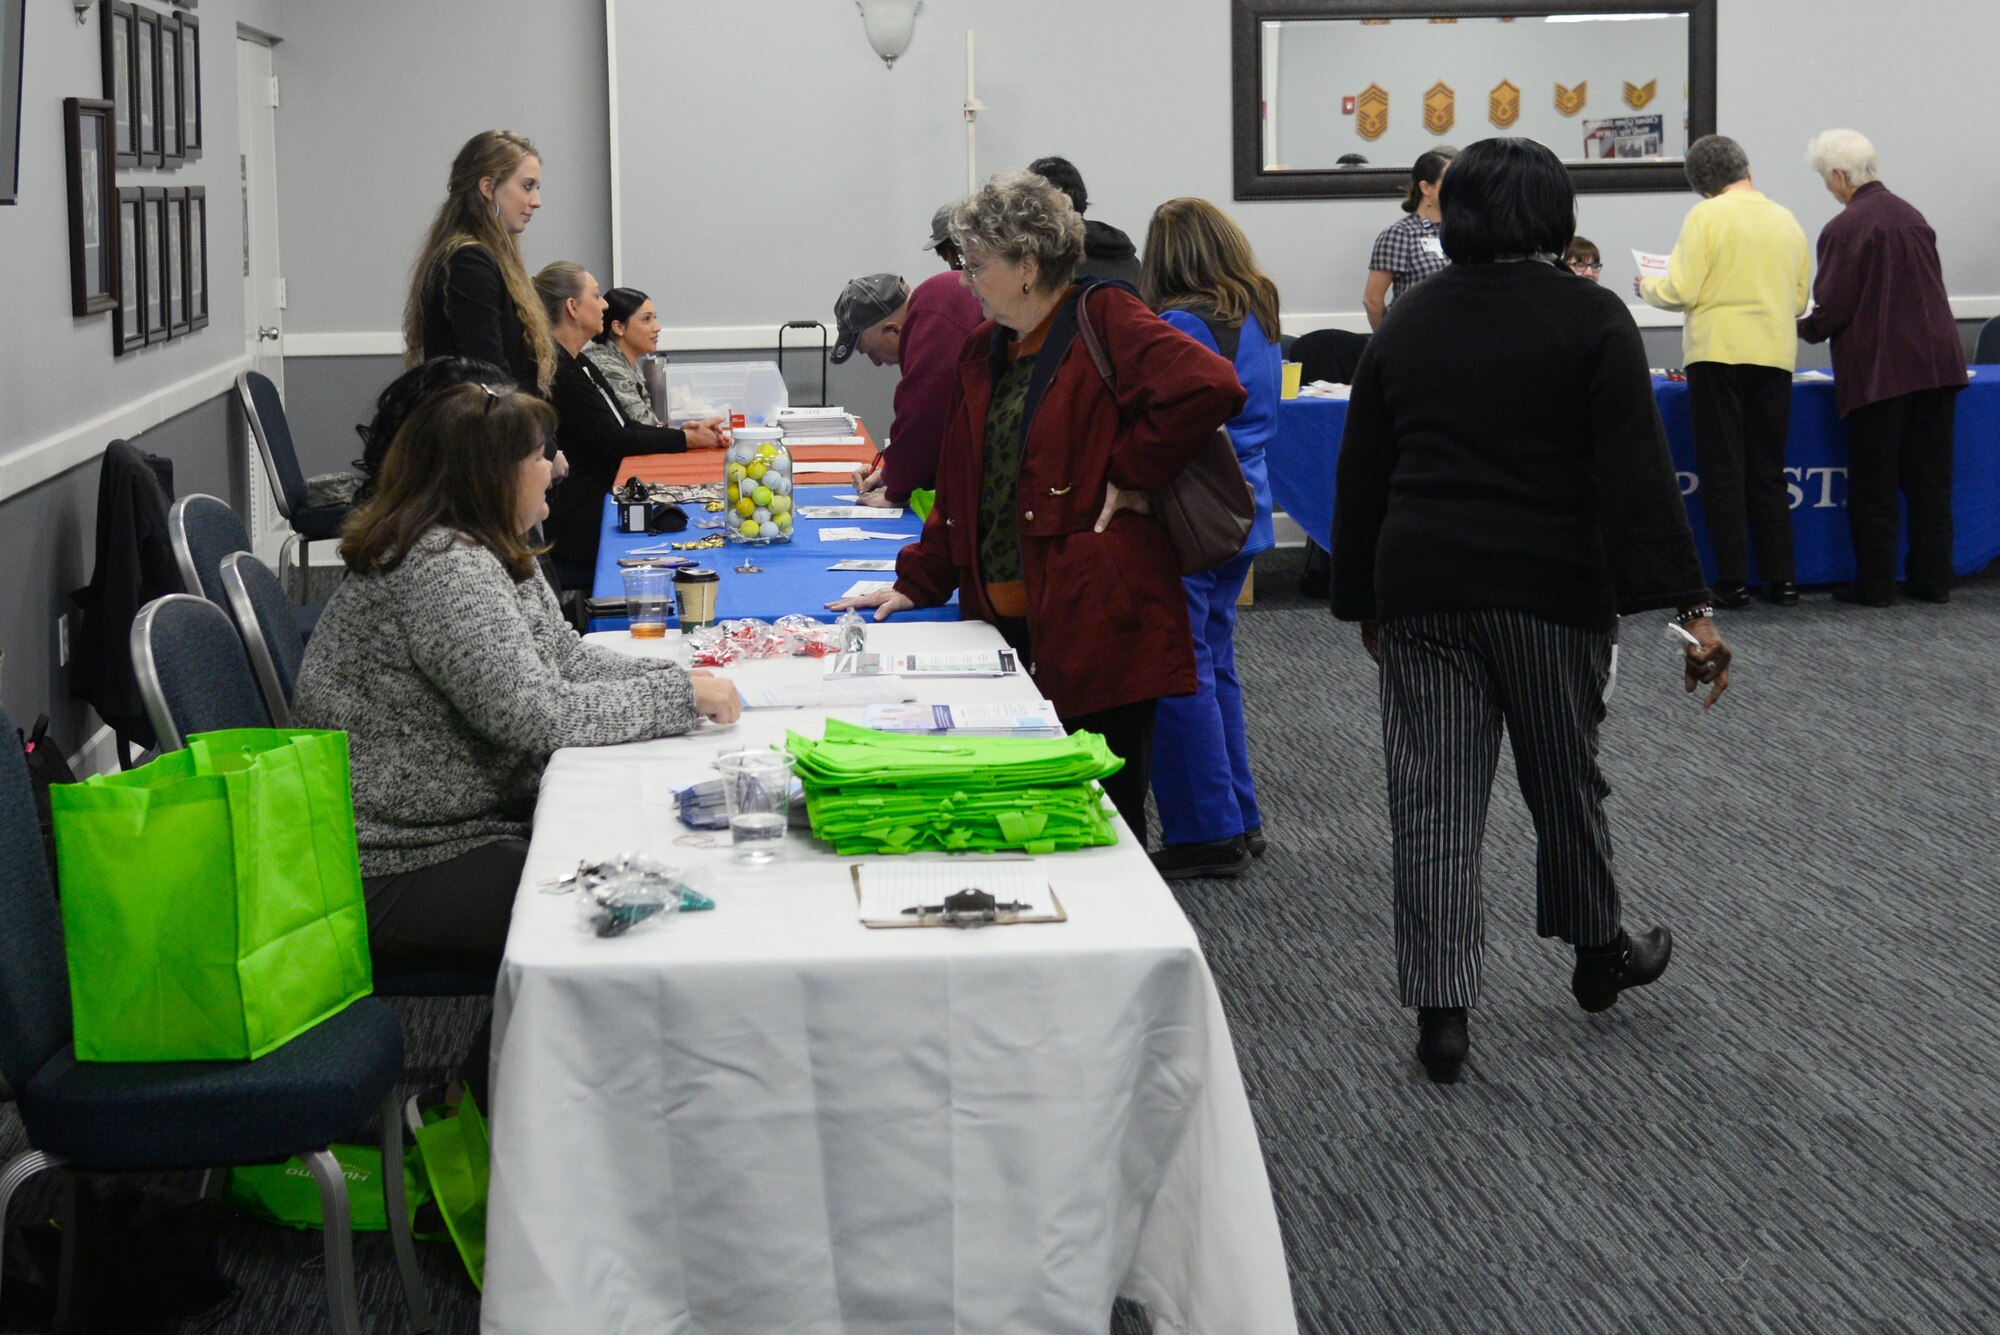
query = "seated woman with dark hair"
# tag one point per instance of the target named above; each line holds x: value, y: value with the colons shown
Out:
x: 592, y: 429
x: 1487, y: 540
x: 631, y: 331
x: 404, y: 395
x: 449, y: 666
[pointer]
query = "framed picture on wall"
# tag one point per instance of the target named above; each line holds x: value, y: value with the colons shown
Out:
x: 190, y: 78
x: 159, y: 266
x: 197, y: 242
x: 13, y: 16
x: 168, y: 81
x: 128, y: 317
x: 146, y: 87
x: 177, y: 261
x: 119, y: 27
x: 93, y: 217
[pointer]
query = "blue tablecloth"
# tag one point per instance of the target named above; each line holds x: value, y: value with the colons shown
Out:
x: 1303, y: 450
x: 795, y: 577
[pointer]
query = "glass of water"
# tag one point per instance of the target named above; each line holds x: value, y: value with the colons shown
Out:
x: 757, y: 786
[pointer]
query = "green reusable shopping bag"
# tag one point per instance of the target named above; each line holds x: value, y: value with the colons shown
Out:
x: 212, y: 899
x: 457, y: 1160
x: 285, y: 1193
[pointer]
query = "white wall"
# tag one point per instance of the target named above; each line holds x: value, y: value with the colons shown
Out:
x: 748, y: 197
x: 378, y: 97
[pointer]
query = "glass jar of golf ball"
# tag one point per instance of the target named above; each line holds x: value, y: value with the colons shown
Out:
x: 757, y: 486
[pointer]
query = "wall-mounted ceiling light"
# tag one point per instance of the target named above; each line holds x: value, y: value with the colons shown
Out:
x: 889, y: 24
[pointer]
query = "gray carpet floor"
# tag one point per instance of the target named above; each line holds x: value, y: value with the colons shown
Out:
x: 1792, y: 1131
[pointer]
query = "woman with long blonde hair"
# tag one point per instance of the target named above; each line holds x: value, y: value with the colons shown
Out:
x: 470, y: 294
x: 1199, y: 273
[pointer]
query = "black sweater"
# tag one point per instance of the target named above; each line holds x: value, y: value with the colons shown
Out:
x: 594, y: 436
x: 1503, y: 450
x: 468, y: 312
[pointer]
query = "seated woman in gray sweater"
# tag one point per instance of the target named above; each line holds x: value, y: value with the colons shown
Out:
x: 447, y: 662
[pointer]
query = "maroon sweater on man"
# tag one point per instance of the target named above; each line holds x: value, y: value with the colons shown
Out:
x: 1880, y: 297
x: 942, y: 312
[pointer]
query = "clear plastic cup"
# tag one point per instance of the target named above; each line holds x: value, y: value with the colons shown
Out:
x: 646, y: 589
x: 757, y: 786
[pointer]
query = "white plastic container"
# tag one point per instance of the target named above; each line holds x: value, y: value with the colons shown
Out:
x: 747, y: 393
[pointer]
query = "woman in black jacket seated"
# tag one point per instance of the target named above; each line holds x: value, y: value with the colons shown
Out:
x: 470, y: 295
x: 1504, y: 494
x: 594, y: 433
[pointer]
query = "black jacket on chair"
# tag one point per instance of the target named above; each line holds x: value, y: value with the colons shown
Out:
x: 135, y: 564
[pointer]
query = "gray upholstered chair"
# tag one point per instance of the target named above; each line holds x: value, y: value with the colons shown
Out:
x: 124, y: 1117
x: 273, y: 433
x: 1987, y: 351
x: 274, y: 634
x: 203, y: 530
x: 194, y: 673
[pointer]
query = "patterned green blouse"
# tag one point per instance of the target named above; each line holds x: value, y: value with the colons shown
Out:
x: 625, y: 382
x: 1000, y: 485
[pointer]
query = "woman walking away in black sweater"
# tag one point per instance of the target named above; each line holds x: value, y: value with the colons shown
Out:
x: 1504, y: 495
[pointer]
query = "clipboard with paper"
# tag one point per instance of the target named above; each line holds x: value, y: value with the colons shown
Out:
x: 954, y: 892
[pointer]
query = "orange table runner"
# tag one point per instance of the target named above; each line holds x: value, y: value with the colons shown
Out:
x: 699, y: 466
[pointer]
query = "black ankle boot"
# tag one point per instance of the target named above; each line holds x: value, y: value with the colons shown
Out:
x: 1442, y: 1042
x: 1602, y: 972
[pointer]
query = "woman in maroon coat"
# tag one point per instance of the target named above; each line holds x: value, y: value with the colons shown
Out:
x: 1040, y: 522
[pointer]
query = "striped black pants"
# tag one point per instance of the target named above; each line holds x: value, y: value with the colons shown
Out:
x: 1450, y: 683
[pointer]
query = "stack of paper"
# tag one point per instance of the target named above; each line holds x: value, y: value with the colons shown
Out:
x: 1001, y: 720
x: 817, y: 426
x: 969, y: 663
x: 878, y: 792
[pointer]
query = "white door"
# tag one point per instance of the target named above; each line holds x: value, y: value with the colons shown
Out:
x: 263, y: 288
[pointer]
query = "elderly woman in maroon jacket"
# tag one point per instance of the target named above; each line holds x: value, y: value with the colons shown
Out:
x: 1897, y: 362
x: 1040, y: 520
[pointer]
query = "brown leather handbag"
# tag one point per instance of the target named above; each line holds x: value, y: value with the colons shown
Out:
x: 1207, y: 511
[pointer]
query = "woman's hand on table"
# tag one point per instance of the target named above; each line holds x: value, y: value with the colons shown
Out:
x: 879, y: 498
x: 710, y: 434
x: 865, y: 481
x: 1116, y: 498
x: 1707, y: 663
x: 715, y: 698
x: 886, y: 602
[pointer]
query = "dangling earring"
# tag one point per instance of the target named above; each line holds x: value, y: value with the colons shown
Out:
x: 1024, y: 289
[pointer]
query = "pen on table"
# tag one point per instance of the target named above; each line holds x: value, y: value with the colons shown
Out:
x: 933, y: 910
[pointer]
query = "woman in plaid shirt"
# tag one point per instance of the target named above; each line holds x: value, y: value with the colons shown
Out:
x: 1409, y: 249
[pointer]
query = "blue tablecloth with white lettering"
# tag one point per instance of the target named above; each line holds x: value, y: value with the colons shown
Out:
x: 794, y: 578
x: 1303, y: 450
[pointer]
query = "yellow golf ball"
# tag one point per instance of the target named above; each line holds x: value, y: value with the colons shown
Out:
x: 734, y: 492
x: 780, y: 504
x: 746, y: 507
x: 783, y: 521
x: 762, y: 495
x: 736, y: 472
x: 755, y: 470
x: 749, y: 529
x: 766, y: 451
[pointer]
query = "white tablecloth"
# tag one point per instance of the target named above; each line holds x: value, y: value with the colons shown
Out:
x: 769, y: 1118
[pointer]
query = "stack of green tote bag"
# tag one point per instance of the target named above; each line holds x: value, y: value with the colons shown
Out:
x: 881, y: 792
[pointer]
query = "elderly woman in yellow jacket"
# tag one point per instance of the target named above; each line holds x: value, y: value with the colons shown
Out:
x: 1741, y: 273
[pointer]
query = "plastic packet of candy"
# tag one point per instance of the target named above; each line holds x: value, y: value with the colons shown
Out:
x: 619, y: 894
x: 809, y: 638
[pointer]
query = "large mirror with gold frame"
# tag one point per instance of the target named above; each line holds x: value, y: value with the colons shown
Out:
x: 1332, y: 98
